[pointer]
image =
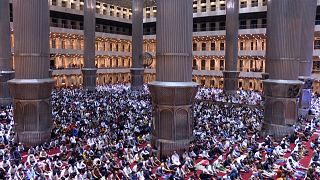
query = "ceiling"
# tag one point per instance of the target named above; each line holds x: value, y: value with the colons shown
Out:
x: 128, y: 3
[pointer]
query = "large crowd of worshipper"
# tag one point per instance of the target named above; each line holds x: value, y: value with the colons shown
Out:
x: 240, y: 97
x: 106, y: 135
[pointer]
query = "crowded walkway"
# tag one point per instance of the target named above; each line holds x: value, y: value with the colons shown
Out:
x: 106, y: 135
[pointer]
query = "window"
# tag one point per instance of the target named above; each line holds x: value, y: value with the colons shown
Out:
x: 98, y: 7
x: 81, y: 25
x: 316, y: 65
x: 117, y: 62
x: 254, y: 3
x: 241, y: 65
x: 54, y: 2
x: 250, y: 85
x: 97, y: 46
x: 194, y: 46
x: 212, y: 83
x: 222, y: 46
x: 213, y: 46
x: 111, y: 10
x: 222, y: 25
x: 203, y: 46
x: 81, y: 4
x: 220, y: 84
x: 73, y: 25
x: 241, y: 45
x: 264, y: 2
x: 251, y: 46
x: 212, y: 27
x: 195, y: 27
x: 203, y: 27
x: 221, y: 65
x: 264, y: 23
x: 243, y: 24
x: 240, y: 84
x: 243, y: 4
x: 64, y: 24
x: 194, y: 65
x: 54, y: 22
x: 253, y: 23
x: 252, y: 64
x: 203, y: 82
x: 317, y: 44
x: 64, y: 4
x: 203, y: 8
x: 71, y: 44
x: 203, y: 64
x: 212, y: 64
x: 195, y: 9
x: 213, y: 7
x: 63, y: 44
x: 203, y: 1
x: 222, y: 6
x: 155, y: 11
x: 53, y: 43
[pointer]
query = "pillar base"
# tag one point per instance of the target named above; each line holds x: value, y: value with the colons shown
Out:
x: 5, y: 97
x: 173, y: 121
x: 281, y: 110
x: 137, y: 78
x: 277, y: 131
x: 230, y: 82
x: 305, y: 95
x: 33, y: 138
x: 89, y: 78
x: 166, y: 148
x: 32, y: 110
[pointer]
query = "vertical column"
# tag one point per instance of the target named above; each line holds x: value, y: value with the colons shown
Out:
x: 231, y: 74
x: 308, y: 9
x: 6, y: 72
x: 31, y: 88
x: 137, y: 70
x: 283, y: 50
x: 89, y: 70
x: 173, y: 91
